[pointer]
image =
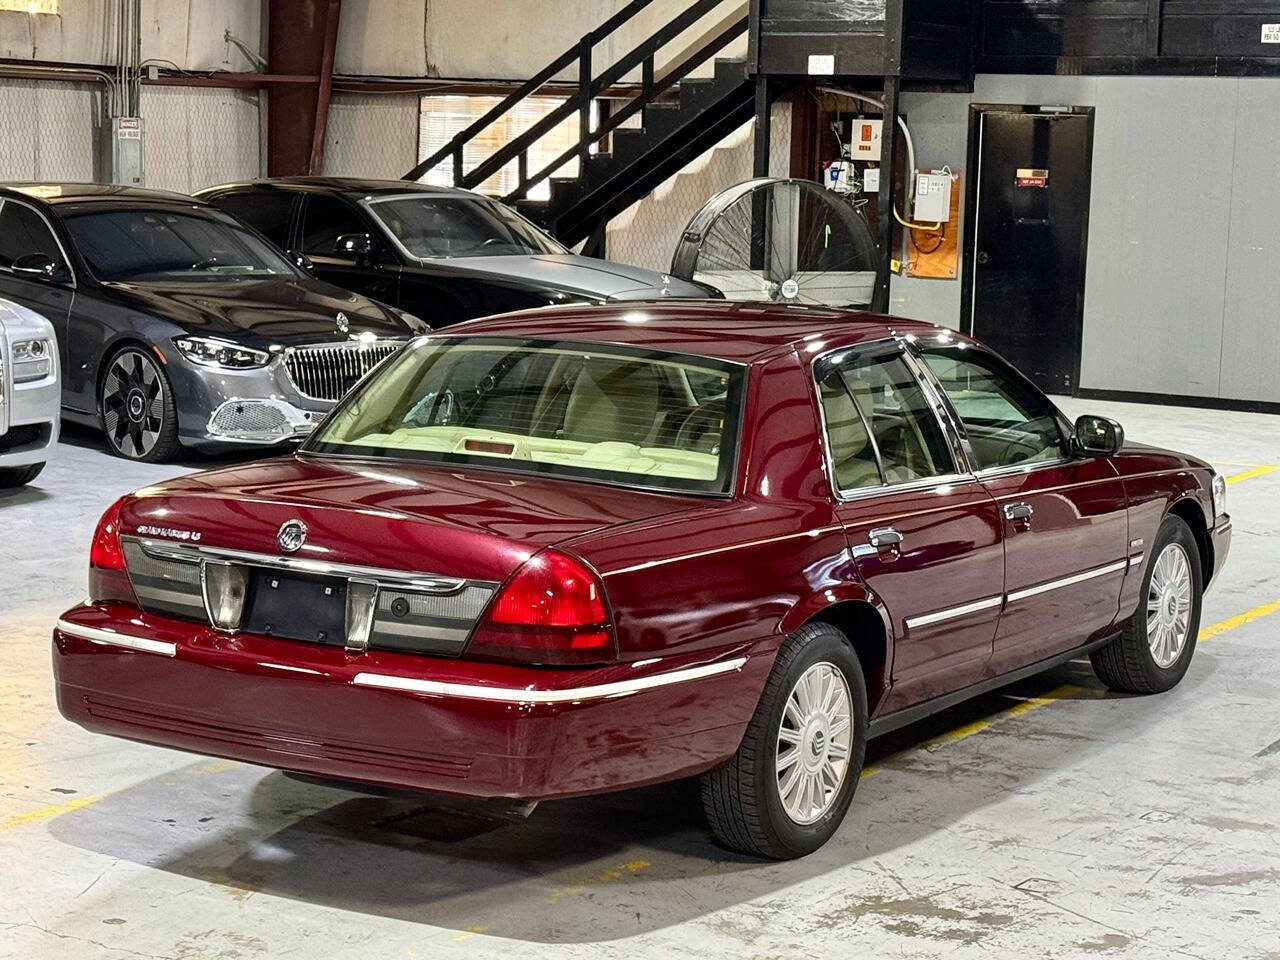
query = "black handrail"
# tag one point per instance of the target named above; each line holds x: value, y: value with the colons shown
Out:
x: 589, y: 86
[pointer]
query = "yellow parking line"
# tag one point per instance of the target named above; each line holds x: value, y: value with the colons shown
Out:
x: 1239, y: 620
x: 1067, y: 691
x: 46, y: 813
x: 1251, y: 474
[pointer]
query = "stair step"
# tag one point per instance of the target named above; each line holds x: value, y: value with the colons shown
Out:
x: 731, y: 69
x: 628, y: 143
x: 662, y: 120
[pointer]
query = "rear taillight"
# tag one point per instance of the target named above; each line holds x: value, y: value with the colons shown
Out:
x: 551, y: 611
x: 107, y: 577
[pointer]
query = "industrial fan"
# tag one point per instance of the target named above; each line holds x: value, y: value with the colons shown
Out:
x: 783, y: 241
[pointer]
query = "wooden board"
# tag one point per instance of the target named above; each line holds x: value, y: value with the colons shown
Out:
x: 937, y: 257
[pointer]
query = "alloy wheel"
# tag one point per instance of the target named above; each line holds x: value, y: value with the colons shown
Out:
x: 133, y: 404
x: 1169, y: 606
x: 814, y: 741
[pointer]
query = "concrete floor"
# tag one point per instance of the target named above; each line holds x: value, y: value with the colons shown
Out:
x: 1051, y: 820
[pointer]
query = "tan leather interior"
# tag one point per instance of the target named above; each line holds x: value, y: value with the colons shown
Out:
x: 852, y: 455
x: 612, y: 400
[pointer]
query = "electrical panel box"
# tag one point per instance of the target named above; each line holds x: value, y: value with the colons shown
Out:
x: 122, y: 151
x: 865, y: 142
x: 933, y: 197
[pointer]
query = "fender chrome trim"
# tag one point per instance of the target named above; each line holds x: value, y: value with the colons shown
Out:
x: 467, y: 691
x: 112, y: 639
x: 952, y: 613
x: 1067, y: 581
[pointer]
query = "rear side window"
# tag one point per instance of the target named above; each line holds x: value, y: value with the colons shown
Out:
x: 266, y: 212
x: 895, y: 436
x: 22, y: 232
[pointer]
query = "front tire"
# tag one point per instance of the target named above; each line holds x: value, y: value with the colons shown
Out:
x: 139, y: 418
x: 1154, y: 652
x: 19, y: 476
x: 787, y: 789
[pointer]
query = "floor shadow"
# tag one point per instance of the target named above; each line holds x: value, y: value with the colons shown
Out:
x: 576, y: 871
x: 18, y: 496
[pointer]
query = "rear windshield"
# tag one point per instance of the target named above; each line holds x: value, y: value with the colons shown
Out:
x: 588, y: 411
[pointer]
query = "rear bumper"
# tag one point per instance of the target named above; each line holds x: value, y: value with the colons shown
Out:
x: 451, y: 726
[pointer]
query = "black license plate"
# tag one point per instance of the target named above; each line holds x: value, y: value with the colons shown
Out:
x: 297, y: 607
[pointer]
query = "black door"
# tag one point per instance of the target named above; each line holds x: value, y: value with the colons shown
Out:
x: 1025, y: 280
x: 374, y: 274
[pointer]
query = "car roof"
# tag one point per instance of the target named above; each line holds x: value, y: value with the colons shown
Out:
x: 349, y: 186
x: 724, y: 330
x: 55, y: 193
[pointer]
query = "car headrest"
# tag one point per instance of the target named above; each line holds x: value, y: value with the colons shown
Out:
x: 612, y: 400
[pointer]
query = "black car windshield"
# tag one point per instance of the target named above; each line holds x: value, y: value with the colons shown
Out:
x: 585, y: 410
x: 431, y: 227
x: 138, y: 246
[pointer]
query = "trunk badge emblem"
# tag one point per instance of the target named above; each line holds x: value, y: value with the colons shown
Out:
x: 341, y: 322
x: 291, y: 536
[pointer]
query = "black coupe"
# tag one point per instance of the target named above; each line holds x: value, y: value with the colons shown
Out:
x: 446, y: 255
x: 177, y: 324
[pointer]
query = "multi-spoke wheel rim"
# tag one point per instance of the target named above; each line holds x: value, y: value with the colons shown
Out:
x: 814, y: 741
x: 133, y: 404
x: 1169, y: 606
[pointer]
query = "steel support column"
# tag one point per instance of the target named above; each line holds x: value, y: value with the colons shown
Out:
x: 888, y: 151
x: 302, y: 39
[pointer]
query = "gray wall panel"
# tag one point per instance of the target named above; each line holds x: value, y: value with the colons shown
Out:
x: 1251, y: 332
x: 1183, y: 279
x: 1159, y: 221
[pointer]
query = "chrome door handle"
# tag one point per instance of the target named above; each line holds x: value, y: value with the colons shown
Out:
x: 884, y: 537
x: 1018, y: 511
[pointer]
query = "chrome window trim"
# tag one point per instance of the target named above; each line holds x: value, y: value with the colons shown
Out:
x: 860, y: 493
x: 66, y: 260
x: 952, y: 613
x: 426, y: 582
x: 1072, y: 580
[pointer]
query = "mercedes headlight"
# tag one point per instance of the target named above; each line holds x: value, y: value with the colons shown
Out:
x: 1219, y: 496
x: 32, y: 360
x: 209, y: 352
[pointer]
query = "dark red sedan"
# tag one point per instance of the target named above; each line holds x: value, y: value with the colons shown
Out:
x: 576, y: 550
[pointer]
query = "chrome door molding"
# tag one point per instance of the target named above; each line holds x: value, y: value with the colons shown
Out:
x: 1082, y: 577
x: 953, y: 613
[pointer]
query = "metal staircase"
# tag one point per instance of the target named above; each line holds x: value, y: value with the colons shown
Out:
x: 681, y: 116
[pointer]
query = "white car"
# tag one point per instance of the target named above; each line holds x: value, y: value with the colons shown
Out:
x: 30, y: 394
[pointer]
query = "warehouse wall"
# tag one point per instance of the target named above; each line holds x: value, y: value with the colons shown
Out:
x: 1183, y: 249
x: 371, y: 135
x: 419, y: 38
x: 187, y: 32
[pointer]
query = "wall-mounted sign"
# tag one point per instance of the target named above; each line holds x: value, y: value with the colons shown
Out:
x: 822, y: 64
x: 1271, y: 33
x: 1036, y: 179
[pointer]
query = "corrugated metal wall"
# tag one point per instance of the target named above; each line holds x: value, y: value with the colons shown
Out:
x: 1184, y: 257
x: 371, y: 135
x: 48, y: 130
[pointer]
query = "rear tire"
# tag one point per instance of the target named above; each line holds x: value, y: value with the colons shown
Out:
x: 1154, y: 652
x: 813, y: 713
x: 19, y: 476
x: 139, y: 418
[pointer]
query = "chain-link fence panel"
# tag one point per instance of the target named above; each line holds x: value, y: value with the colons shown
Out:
x: 371, y: 135
x: 50, y: 130
x: 198, y: 136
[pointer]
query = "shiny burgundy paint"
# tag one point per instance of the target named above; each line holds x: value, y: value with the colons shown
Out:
x: 691, y: 580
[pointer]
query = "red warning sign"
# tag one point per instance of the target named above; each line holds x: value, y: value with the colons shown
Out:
x: 1035, y: 179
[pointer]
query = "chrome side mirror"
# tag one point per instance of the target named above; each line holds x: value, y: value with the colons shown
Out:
x: 301, y: 261
x: 354, y: 246
x: 1098, y: 436
x: 37, y: 266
